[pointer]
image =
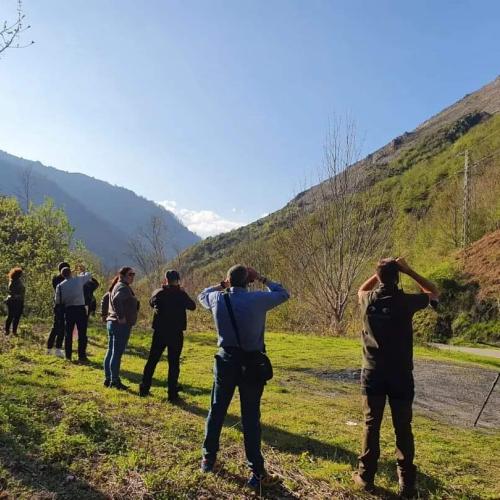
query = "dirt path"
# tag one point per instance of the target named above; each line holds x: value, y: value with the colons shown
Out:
x: 479, y: 351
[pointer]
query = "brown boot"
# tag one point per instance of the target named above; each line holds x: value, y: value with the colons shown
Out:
x: 363, y: 484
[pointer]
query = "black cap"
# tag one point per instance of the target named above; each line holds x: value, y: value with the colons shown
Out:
x: 172, y: 275
x: 62, y: 265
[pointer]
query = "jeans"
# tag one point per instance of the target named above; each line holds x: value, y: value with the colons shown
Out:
x: 76, y: 315
x: 227, y: 376
x: 173, y: 341
x: 57, y: 333
x: 118, y: 336
x: 399, y: 389
x: 14, y: 311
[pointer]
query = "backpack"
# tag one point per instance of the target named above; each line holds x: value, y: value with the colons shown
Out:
x: 105, y: 306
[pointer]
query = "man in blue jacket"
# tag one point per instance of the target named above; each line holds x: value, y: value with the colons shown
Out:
x: 249, y: 310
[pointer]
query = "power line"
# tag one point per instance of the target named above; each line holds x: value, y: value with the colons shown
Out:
x: 466, y: 203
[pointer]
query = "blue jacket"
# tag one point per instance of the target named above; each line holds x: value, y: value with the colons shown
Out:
x: 250, y: 310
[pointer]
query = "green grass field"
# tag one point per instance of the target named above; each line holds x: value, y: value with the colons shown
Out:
x: 63, y: 435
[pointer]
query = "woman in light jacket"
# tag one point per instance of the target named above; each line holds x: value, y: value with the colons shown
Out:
x: 122, y: 316
x: 15, y: 300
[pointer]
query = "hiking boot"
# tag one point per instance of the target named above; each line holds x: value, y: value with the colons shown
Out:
x: 256, y: 482
x: 207, y: 465
x: 59, y: 353
x: 362, y: 484
x: 83, y: 361
x: 118, y: 385
x: 106, y: 382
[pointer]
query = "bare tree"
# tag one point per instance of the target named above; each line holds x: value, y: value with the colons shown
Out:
x: 26, y: 187
x: 148, y: 250
x: 10, y: 32
x: 330, y: 242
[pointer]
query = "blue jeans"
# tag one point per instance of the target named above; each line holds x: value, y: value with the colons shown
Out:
x: 227, y: 375
x: 118, y: 336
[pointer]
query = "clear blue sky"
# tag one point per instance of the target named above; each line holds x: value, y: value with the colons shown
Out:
x: 222, y: 106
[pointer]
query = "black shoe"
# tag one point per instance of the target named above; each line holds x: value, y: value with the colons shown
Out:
x: 118, y: 385
x: 143, y: 392
x: 207, y: 466
x: 173, y: 398
x: 83, y: 361
x: 407, y: 492
x: 107, y: 382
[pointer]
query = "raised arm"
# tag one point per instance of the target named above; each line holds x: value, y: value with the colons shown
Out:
x: 425, y: 285
x: 368, y: 285
x: 204, y: 297
x: 276, y: 294
x: 189, y: 303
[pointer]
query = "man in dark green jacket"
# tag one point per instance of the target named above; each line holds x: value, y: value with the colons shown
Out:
x: 387, y: 373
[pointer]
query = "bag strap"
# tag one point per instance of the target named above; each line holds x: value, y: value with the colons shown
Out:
x: 233, y: 319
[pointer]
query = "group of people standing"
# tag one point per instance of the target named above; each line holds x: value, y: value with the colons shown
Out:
x: 241, y: 362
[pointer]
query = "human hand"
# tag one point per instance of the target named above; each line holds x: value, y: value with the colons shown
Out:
x: 402, y: 265
x: 252, y: 275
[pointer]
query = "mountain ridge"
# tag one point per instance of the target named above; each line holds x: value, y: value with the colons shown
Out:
x: 95, y: 208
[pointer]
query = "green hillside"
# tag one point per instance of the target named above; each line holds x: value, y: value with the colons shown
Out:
x: 417, y: 180
x: 63, y: 435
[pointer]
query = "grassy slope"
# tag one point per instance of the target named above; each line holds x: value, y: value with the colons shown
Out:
x: 56, y: 420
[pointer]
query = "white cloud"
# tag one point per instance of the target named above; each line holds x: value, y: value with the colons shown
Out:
x: 202, y: 222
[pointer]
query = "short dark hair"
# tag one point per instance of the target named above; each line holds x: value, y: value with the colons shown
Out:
x: 388, y: 271
x: 238, y: 275
x: 172, y: 275
x: 62, y: 265
x: 66, y: 272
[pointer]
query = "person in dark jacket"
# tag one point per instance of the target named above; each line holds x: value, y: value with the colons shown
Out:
x: 15, y: 300
x: 387, y: 337
x: 57, y: 333
x: 170, y: 303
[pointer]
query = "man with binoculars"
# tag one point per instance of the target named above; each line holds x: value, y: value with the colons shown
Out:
x: 240, y: 317
x: 387, y: 337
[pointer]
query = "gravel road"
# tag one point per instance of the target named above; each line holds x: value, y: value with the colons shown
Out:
x: 455, y: 393
x: 448, y: 392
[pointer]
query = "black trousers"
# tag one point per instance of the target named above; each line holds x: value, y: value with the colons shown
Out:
x: 76, y: 315
x: 173, y: 342
x: 57, y: 333
x: 398, y: 388
x: 14, y: 312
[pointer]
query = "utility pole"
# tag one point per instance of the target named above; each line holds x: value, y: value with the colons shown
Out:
x: 466, y: 205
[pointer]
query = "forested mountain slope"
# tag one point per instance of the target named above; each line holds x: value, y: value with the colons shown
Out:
x: 105, y: 217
